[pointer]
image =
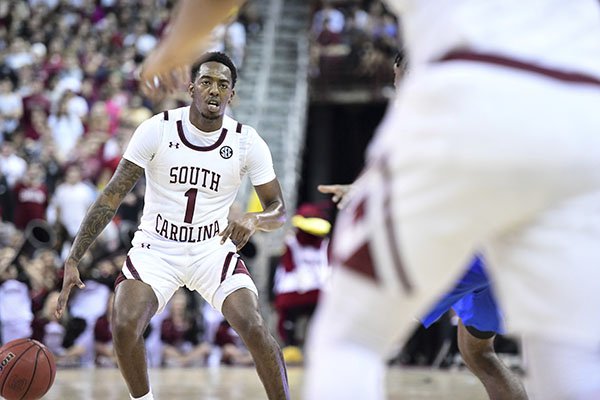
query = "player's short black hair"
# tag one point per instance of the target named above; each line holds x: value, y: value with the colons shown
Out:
x: 219, y: 57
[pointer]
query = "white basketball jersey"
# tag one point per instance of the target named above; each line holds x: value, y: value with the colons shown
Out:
x: 556, y: 33
x: 192, y: 177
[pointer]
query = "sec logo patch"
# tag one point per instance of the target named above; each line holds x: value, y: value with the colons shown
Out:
x: 226, y: 152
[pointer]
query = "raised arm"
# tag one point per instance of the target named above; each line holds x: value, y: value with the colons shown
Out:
x: 96, y: 219
x: 189, y: 31
x: 272, y: 217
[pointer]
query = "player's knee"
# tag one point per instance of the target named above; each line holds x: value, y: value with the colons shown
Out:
x: 253, y: 328
x: 126, y: 328
x: 478, y: 354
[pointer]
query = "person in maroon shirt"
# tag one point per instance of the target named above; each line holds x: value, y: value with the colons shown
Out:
x: 181, y: 335
x: 103, y: 339
x: 35, y: 105
x: 31, y: 197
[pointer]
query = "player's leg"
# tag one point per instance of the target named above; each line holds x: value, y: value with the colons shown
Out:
x: 556, y: 305
x: 477, y: 350
x: 222, y: 278
x: 135, y: 304
x: 480, y: 321
x: 372, y: 300
x: 240, y: 309
x: 355, y: 326
x: 150, y: 282
x: 563, y: 370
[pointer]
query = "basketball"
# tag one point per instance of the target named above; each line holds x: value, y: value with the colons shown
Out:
x: 27, y: 370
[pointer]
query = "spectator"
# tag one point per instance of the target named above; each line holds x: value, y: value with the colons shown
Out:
x: 66, y: 128
x: 35, y: 103
x: 11, y: 106
x: 41, y: 272
x: 12, y: 166
x: 88, y: 305
x: 181, y: 334
x: 15, y: 303
x: 6, y: 201
x: 31, y: 197
x: 47, y: 329
x: 105, y: 355
x: 328, y: 13
x: 235, y: 42
x: 233, y: 350
x: 70, y: 202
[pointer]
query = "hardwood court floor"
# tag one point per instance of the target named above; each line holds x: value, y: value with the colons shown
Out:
x: 232, y: 383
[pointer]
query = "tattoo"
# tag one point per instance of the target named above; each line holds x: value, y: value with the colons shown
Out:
x: 105, y: 207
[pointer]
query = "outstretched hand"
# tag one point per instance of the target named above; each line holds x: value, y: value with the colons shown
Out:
x: 339, y: 192
x: 160, y: 76
x: 240, y: 230
x: 70, y: 279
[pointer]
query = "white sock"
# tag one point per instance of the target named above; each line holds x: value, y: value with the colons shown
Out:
x: 147, y: 396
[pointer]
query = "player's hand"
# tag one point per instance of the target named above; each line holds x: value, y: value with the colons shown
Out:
x: 339, y: 192
x: 70, y: 279
x: 240, y: 230
x: 158, y: 79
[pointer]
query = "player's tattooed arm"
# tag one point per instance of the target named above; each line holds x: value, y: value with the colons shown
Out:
x: 105, y: 207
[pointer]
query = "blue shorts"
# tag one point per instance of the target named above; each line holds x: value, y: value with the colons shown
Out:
x: 472, y: 300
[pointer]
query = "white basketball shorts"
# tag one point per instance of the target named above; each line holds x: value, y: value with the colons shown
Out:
x: 213, y: 270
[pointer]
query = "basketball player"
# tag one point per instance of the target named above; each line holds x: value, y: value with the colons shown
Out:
x: 472, y: 300
x: 492, y: 145
x: 479, y: 318
x: 193, y: 159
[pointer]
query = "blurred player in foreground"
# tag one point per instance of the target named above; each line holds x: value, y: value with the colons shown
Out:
x: 473, y: 301
x: 490, y: 144
x: 480, y: 320
x: 193, y: 159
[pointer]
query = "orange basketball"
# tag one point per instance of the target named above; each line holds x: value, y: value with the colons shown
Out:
x: 27, y: 370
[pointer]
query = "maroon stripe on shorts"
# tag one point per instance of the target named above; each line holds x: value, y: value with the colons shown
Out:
x: 132, y: 269
x: 120, y: 278
x: 238, y: 128
x: 390, y: 231
x: 226, y: 266
x: 200, y: 148
x: 166, y: 115
x: 561, y: 75
x: 240, y: 268
x: 362, y: 262
x: 359, y: 211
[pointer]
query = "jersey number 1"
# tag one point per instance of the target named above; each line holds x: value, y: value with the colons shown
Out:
x: 191, y: 204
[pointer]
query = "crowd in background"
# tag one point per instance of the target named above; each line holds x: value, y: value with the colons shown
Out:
x: 353, y: 44
x: 69, y: 102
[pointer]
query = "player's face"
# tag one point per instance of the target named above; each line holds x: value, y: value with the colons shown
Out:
x: 212, y: 90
